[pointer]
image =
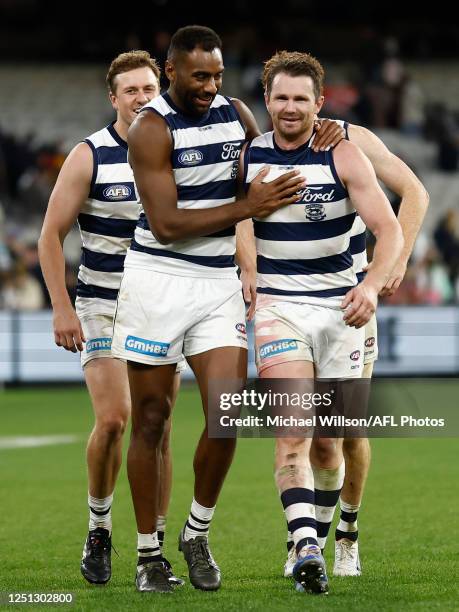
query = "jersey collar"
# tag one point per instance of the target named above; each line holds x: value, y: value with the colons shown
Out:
x: 114, y: 134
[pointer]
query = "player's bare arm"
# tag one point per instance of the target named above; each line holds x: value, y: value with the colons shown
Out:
x: 246, y: 252
x: 246, y: 259
x: 150, y: 146
x: 68, y: 196
x: 400, y: 179
x: 250, y: 123
x: 357, y: 174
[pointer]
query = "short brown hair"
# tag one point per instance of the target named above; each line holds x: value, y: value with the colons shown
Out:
x: 130, y: 61
x: 293, y: 63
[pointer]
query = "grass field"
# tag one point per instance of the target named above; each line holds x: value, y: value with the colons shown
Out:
x: 408, y: 525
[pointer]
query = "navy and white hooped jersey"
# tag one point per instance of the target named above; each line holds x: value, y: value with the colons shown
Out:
x: 358, y: 231
x: 303, y: 250
x: 108, y: 218
x: 205, y: 157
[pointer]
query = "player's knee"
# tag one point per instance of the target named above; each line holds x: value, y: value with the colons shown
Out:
x: 112, y: 425
x: 324, y: 450
x: 150, y: 420
x: 150, y: 428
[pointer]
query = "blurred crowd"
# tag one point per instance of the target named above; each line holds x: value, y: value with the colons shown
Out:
x: 378, y: 92
x: 27, y: 176
x: 432, y: 276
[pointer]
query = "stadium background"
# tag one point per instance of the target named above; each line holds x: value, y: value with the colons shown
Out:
x: 392, y: 70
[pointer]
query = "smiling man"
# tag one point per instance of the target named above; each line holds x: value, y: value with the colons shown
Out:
x: 180, y: 292
x: 96, y: 187
x: 307, y: 286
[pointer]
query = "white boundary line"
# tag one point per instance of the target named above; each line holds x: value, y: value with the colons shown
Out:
x: 35, y: 441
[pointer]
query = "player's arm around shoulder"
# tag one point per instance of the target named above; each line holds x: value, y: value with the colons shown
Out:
x: 357, y: 174
x: 389, y: 168
x: 328, y: 133
x: 250, y: 123
x: 69, y: 194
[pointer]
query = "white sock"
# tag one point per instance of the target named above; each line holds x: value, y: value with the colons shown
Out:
x: 298, y: 504
x: 148, y: 548
x: 198, y: 522
x: 327, y: 487
x: 161, y: 528
x: 347, y: 526
x: 100, y: 514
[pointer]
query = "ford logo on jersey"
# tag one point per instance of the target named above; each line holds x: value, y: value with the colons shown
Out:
x: 280, y: 346
x: 231, y: 150
x: 117, y: 192
x: 146, y: 347
x: 192, y: 157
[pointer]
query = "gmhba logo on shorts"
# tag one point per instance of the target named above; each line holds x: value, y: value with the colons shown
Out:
x: 146, y: 347
x: 117, y: 192
x: 98, y: 344
x: 280, y: 346
x: 192, y: 157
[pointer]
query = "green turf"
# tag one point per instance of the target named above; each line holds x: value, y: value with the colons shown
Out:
x: 408, y: 524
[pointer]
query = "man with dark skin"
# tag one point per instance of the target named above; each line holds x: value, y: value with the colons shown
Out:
x: 186, y: 258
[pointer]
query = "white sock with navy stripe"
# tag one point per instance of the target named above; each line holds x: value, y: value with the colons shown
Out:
x: 327, y: 485
x: 161, y: 527
x: 290, y: 542
x: 148, y: 548
x: 198, y: 521
x: 347, y: 526
x: 100, y: 512
x: 299, y: 511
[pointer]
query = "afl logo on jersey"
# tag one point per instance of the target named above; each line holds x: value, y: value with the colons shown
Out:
x: 192, y: 157
x: 355, y: 356
x: 117, y: 192
x: 315, y: 212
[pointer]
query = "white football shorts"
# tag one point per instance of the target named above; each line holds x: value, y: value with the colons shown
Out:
x: 96, y: 316
x: 370, y: 352
x: 291, y: 331
x: 161, y: 316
